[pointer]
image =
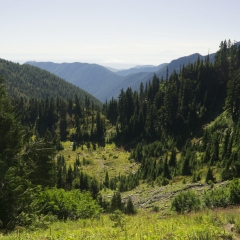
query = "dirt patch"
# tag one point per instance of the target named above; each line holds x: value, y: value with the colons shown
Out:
x: 231, y: 229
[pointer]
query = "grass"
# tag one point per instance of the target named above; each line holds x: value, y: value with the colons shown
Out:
x: 108, y: 158
x: 218, y: 224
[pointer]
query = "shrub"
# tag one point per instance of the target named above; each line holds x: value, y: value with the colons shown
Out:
x: 186, y: 202
x: 216, y: 198
x: 72, y: 204
x: 234, y: 191
x: 162, y: 181
x: 155, y: 208
x: 118, y: 219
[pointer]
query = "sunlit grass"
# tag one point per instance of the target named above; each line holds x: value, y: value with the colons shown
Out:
x: 144, y: 225
x: 109, y: 158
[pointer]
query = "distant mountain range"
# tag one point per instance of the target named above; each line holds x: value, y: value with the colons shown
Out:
x: 105, y: 83
x: 137, y: 69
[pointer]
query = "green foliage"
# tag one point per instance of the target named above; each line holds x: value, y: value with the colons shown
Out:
x: 165, y: 117
x: 129, y: 208
x: 234, y: 189
x: 209, y: 176
x: 116, y: 202
x: 68, y: 204
x: 162, y: 181
x: 162, y: 124
x: 24, y: 163
x: 186, y: 202
x: 217, y: 198
x: 28, y: 161
x: 106, y: 181
x: 155, y: 208
x: 118, y: 219
x: 222, y: 196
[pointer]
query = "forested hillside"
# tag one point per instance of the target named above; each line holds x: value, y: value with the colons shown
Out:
x: 32, y: 82
x: 60, y: 157
x: 166, y: 122
x: 30, y: 134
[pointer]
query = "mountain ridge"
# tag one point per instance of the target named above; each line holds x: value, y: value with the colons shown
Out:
x: 104, y: 84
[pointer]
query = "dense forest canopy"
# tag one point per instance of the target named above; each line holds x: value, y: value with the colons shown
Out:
x: 164, y: 115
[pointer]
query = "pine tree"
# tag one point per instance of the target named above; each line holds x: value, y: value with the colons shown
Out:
x: 116, y: 202
x: 166, y: 172
x: 129, y: 209
x: 19, y: 168
x: 209, y: 176
x: 172, y: 160
x: 63, y: 122
x: 106, y: 181
x: 94, y: 187
x: 12, y: 169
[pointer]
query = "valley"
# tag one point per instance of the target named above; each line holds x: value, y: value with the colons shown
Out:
x: 159, y: 161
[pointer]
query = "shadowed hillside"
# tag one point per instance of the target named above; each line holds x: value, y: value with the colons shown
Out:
x: 29, y: 81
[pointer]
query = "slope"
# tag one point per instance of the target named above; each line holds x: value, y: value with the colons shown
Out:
x: 180, y: 62
x: 134, y: 80
x: 30, y: 81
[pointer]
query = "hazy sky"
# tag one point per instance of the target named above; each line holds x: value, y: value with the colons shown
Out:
x: 116, y: 33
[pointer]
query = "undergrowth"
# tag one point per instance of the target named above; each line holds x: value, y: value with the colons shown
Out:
x: 202, y: 225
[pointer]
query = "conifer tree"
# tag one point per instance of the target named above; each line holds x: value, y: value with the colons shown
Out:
x: 106, y: 181
x: 166, y: 172
x: 209, y: 176
x: 129, y: 209
x: 116, y: 202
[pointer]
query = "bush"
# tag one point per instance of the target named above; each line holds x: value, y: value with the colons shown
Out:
x: 72, y: 204
x: 186, y: 202
x: 162, y: 181
x: 155, y: 208
x: 234, y: 191
x: 118, y: 219
x: 34, y: 220
x: 216, y: 198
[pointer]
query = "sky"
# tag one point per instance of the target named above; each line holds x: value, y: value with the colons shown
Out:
x: 114, y: 33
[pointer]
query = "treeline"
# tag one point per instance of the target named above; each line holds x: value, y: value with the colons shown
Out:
x: 65, y: 119
x: 180, y: 104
